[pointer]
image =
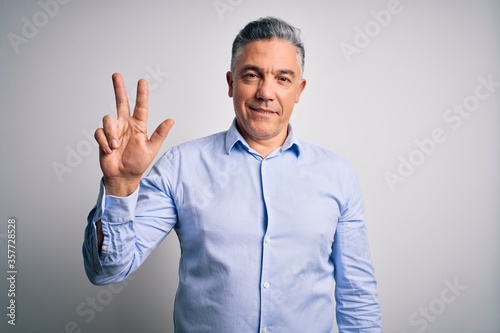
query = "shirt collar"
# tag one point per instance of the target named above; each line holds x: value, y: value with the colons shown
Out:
x: 233, y: 136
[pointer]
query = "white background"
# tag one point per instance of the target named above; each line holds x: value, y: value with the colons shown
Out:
x: 436, y: 226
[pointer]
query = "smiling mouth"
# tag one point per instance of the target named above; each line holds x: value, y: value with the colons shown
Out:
x: 262, y: 111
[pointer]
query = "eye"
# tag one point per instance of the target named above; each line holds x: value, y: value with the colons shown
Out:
x: 250, y: 76
x: 284, y: 80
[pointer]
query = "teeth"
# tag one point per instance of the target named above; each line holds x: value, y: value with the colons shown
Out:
x: 262, y: 111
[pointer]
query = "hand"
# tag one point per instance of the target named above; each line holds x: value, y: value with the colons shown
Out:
x: 125, y: 150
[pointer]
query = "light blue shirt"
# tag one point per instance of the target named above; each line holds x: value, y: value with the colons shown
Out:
x: 262, y: 239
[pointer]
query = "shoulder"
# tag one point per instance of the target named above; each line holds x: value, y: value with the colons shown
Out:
x: 216, y: 139
x: 333, y: 172
x: 193, y: 148
x: 314, y: 153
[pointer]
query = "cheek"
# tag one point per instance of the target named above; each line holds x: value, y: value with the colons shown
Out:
x: 244, y: 91
x: 289, y: 99
x: 238, y: 101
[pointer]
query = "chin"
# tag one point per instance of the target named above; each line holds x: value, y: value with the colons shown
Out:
x: 262, y: 133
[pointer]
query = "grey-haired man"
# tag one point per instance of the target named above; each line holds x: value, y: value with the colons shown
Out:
x: 266, y: 222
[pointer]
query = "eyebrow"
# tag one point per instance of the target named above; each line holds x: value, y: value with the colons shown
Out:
x: 259, y: 70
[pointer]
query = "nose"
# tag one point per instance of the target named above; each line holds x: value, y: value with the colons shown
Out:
x: 265, y: 90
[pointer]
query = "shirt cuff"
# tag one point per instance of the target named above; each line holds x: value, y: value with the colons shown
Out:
x: 113, y: 209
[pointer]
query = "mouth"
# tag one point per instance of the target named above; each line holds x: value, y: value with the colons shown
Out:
x: 262, y: 111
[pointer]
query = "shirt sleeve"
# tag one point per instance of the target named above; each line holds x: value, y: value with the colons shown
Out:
x: 358, y: 309
x: 132, y: 226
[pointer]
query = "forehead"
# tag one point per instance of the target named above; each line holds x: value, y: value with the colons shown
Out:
x: 273, y: 53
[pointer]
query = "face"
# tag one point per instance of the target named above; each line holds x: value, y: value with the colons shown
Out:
x: 265, y: 85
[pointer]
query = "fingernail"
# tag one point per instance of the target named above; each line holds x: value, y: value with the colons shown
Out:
x: 114, y: 144
x: 108, y: 150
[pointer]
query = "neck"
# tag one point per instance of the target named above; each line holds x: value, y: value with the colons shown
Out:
x: 264, y: 146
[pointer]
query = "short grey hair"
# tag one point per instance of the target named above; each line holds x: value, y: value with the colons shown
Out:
x: 268, y: 28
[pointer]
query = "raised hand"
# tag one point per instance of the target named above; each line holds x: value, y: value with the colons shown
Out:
x: 125, y: 150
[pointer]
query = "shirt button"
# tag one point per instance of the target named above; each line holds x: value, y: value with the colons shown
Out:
x: 264, y: 330
x: 267, y: 239
x: 104, y: 247
x: 266, y: 284
x: 267, y: 198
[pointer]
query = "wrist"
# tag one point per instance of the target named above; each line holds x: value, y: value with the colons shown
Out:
x: 121, y: 187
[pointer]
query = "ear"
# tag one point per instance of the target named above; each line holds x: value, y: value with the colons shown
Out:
x: 229, y: 79
x: 302, y: 86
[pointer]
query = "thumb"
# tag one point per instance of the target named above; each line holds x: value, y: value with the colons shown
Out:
x: 160, y: 134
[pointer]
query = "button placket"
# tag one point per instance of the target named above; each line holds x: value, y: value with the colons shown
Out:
x: 265, y: 285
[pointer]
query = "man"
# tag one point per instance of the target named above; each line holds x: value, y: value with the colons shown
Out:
x: 266, y: 222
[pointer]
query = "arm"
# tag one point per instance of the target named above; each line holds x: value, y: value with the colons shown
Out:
x: 131, y: 227
x: 358, y: 309
x: 125, y: 154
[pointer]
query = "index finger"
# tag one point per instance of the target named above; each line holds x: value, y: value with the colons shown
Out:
x: 121, y: 98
